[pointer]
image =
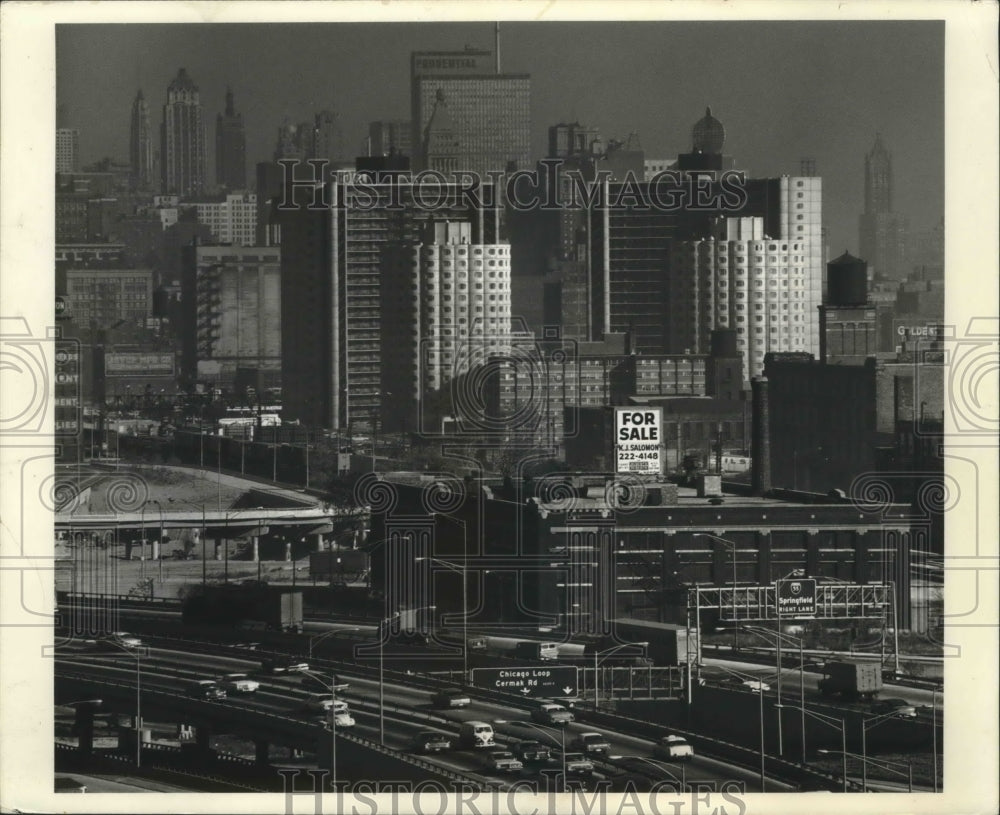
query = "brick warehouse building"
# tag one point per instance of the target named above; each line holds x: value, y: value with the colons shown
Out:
x: 545, y: 555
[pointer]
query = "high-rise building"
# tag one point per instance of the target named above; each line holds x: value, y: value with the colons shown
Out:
x: 230, y: 148
x: 445, y: 311
x: 642, y: 281
x: 490, y: 110
x: 232, y: 318
x: 882, y: 232
x: 332, y: 260
x: 741, y: 279
x: 182, y: 139
x: 140, y: 144
x: 327, y: 141
x: 387, y: 137
x: 67, y: 149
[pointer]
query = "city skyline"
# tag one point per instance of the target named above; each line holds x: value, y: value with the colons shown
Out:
x: 832, y: 86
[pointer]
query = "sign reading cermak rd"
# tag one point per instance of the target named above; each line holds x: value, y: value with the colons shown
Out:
x: 797, y: 598
x: 531, y: 681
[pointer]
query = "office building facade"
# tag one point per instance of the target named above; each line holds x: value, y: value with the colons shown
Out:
x: 232, y: 219
x: 491, y: 111
x: 67, y: 150
x: 231, y: 297
x: 100, y: 298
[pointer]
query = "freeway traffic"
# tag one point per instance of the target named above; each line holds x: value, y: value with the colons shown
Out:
x: 408, y: 711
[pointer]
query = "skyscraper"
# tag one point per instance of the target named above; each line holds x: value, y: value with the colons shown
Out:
x: 140, y: 144
x: 182, y: 139
x: 230, y: 148
x: 327, y: 141
x: 445, y: 309
x: 67, y: 149
x: 332, y: 262
x: 490, y: 110
x: 882, y: 232
x: 650, y: 270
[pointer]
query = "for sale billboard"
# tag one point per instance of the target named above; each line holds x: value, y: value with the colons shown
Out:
x: 639, y: 440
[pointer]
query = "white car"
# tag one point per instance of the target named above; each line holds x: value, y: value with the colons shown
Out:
x: 125, y: 639
x: 342, y: 718
x: 324, y: 703
x: 673, y: 747
x: 753, y: 685
x: 239, y: 683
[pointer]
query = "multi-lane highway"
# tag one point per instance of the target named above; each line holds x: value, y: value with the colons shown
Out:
x: 408, y: 710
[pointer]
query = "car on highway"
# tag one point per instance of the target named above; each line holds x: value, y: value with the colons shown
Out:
x: 895, y: 707
x: 578, y: 763
x: 673, y: 748
x: 322, y: 702
x: 206, y: 689
x: 501, y: 761
x: 239, y: 683
x: 590, y: 743
x: 431, y: 741
x: 752, y: 685
x: 551, y: 713
x: 531, y: 751
x: 124, y: 639
x: 281, y: 666
x: 341, y: 717
x: 450, y: 697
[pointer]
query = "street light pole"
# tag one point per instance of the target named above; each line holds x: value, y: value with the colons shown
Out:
x: 465, y: 608
x: 732, y: 548
x: 606, y: 653
x: 381, y: 670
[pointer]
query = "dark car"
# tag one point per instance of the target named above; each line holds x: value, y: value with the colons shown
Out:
x: 531, y: 751
x: 430, y: 741
x: 206, y: 689
x: 450, y: 697
x: 278, y: 666
x: 590, y: 743
x: 895, y: 707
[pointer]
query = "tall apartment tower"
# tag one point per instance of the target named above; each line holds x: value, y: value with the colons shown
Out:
x: 741, y: 279
x: 182, y: 139
x: 490, y: 110
x: 230, y: 148
x: 67, y: 149
x: 446, y: 309
x: 140, y: 144
x: 649, y: 257
x: 333, y: 265
x: 882, y: 232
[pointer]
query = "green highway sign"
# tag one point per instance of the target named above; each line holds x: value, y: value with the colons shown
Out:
x: 529, y: 681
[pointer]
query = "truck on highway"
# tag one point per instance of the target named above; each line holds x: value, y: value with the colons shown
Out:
x: 235, y: 606
x: 532, y: 649
x: 851, y: 680
x: 667, y: 643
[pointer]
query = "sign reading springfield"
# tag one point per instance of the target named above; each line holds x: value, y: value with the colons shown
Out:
x: 559, y: 680
x: 797, y: 598
x: 638, y: 440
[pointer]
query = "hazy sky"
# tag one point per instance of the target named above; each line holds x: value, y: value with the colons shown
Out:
x: 783, y: 90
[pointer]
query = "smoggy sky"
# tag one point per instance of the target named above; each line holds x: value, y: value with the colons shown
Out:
x: 783, y: 90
